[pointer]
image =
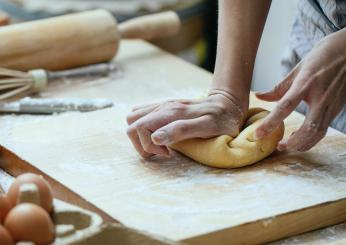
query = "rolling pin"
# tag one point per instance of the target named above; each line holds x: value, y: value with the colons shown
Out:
x: 76, y: 39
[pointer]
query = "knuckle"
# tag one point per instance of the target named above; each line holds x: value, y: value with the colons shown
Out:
x: 177, y: 106
x: 130, y: 131
x: 129, y: 119
x: 311, y: 127
x: 173, y: 107
x: 147, y: 147
x: 285, y: 106
x: 181, y: 128
x: 144, y: 154
x: 139, y: 126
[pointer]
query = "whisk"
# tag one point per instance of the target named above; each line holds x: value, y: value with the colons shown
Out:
x: 14, y: 83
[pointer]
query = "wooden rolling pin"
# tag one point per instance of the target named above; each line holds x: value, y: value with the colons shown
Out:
x: 76, y: 39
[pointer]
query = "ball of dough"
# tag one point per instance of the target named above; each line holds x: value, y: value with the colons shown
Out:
x: 227, y: 152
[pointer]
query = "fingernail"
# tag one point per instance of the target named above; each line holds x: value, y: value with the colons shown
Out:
x: 159, y: 138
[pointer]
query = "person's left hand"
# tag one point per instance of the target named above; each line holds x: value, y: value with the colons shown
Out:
x: 319, y: 80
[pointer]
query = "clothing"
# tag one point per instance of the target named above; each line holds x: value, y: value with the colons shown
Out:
x: 308, y: 29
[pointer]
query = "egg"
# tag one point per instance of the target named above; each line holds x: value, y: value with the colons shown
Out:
x: 44, y: 190
x: 29, y: 222
x: 5, y: 237
x: 4, y: 207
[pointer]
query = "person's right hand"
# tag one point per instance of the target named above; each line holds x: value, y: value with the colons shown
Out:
x: 152, y: 128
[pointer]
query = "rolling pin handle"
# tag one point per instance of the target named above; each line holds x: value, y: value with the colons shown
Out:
x: 151, y: 26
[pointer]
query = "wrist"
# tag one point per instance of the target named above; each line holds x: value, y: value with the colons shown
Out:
x: 242, y: 102
x: 235, y: 83
x: 239, y: 91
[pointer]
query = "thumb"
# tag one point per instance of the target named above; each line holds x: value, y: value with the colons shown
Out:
x: 279, y: 90
x: 181, y: 130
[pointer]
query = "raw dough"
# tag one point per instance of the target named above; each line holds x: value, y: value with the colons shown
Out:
x: 227, y: 152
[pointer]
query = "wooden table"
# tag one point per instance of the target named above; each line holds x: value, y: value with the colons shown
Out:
x: 92, y: 157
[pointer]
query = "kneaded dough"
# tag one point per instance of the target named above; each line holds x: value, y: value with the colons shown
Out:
x: 227, y: 152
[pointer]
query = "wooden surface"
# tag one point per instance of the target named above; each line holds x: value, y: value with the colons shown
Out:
x: 89, y: 153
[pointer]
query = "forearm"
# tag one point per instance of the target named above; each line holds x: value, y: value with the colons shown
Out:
x: 241, y: 24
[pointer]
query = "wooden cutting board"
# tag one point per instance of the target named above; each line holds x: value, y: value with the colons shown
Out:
x: 90, y: 154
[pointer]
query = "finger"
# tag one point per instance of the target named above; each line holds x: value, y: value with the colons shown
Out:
x: 319, y: 118
x: 201, y: 127
x: 182, y: 101
x: 137, y: 114
x: 148, y: 145
x: 284, y: 107
x: 305, y: 137
x: 157, y: 119
x: 280, y: 89
x: 132, y: 134
x: 141, y: 111
x: 314, y: 128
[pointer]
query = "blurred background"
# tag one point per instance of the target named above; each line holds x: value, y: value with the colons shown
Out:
x: 195, y: 43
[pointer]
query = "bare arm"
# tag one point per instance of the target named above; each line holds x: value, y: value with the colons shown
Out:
x: 153, y: 128
x: 241, y: 23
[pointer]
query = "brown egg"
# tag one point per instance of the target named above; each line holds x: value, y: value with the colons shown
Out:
x: 4, y: 207
x: 45, y: 192
x: 29, y: 222
x: 5, y: 237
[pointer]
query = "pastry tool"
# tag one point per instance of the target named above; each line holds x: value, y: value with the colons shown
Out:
x: 13, y: 83
x: 50, y: 106
x: 76, y: 39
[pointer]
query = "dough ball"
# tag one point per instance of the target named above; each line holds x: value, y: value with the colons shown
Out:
x: 227, y: 152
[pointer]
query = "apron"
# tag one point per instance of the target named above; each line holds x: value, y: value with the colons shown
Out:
x: 314, y: 20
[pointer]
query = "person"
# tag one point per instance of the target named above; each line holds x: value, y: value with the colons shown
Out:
x: 315, y: 83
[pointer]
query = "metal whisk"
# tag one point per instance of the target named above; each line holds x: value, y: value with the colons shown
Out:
x: 14, y: 83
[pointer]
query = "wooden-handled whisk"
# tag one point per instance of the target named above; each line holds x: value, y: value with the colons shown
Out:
x: 14, y: 83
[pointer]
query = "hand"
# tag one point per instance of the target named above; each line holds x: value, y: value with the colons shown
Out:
x: 152, y: 128
x: 319, y: 80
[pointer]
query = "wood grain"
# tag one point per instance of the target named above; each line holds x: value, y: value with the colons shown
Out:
x: 285, y: 194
